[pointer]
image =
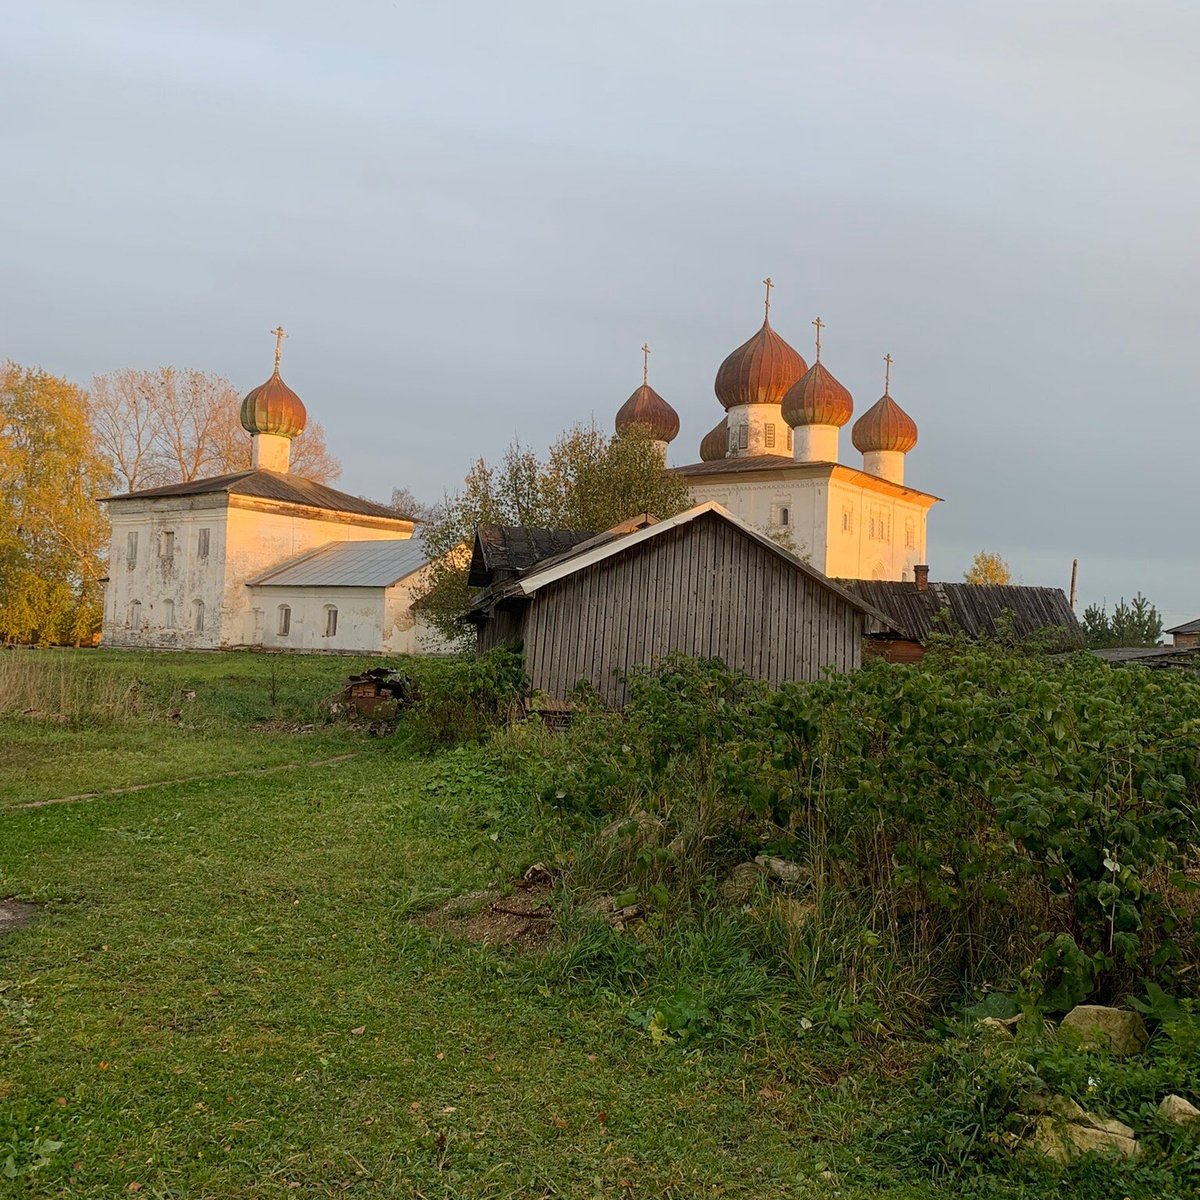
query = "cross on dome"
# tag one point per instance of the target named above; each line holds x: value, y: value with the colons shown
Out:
x: 887, y: 373
x: 279, y: 336
x: 767, y: 305
x: 820, y: 325
x: 645, y: 363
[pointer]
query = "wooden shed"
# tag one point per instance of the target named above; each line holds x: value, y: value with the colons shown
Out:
x: 702, y: 583
x: 916, y: 610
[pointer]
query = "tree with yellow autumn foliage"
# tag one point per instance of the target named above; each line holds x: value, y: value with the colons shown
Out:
x: 53, y: 533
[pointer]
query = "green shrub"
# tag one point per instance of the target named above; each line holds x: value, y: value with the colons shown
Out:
x: 464, y: 698
x: 986, y: 815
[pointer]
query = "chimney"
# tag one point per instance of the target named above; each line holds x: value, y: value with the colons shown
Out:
x: 921, y: 575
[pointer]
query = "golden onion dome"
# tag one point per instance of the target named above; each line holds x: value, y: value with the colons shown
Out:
x: 649, y: 410
x: 714, y: 444
x: 273, y: 407
x: 884, y: 426
x: 817, y: 398
x: 759, y: 371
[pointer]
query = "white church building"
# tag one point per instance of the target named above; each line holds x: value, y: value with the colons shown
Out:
x: 263, y: 558
x: 774, y: 460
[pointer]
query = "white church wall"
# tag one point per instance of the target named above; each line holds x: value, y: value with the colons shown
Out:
x: 405, y: 630
x: 791, y: 510
x: 873, y: 534
x: 261, y: 537
x: 758, y: 429
x: 166, y: 592
x: 357, y: 626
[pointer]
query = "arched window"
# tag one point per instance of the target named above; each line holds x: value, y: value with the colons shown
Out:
x: 330, y: 620
x: 769, y: 439
x: 284, y: 626
x: 785, y: 515
x: 135, y: 615
x: 198, y: 616
x: 169, y: 614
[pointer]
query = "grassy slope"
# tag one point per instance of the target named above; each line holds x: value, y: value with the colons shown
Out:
x: 182, y: 1016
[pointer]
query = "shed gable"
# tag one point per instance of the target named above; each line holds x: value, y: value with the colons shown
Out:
x: 706, y: 589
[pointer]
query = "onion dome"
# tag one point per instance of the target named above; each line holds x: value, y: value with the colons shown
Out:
x: 648, y: 409
x: 817, y: 399
x: 714, y: 444
x: 761, y: 370
x: 273, y: 407
x: 884, y: 426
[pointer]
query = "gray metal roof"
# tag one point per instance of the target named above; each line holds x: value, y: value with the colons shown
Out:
x: 349, y: 564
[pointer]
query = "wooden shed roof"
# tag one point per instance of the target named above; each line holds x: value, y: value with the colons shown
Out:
x: 629, y: 534
x: 967, y: 608
x: 502, y: 551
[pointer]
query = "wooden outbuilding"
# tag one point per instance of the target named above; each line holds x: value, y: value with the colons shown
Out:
x: 919, y: 609
x: 702, y: 583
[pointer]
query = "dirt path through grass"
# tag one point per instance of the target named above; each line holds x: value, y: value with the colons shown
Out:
x: 170, y: 783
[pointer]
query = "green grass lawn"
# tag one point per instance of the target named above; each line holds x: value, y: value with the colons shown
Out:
x: 226, y: 995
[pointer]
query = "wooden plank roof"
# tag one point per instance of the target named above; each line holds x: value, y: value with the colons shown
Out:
x: 502, y: 551
x: 622, y: 537
x: 967, y: 608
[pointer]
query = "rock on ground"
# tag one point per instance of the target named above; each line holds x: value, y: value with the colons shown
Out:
x: 1179, y: 1111
x: 738, y: 886
x: 1066, y: 1130
x: 1120, y: 1032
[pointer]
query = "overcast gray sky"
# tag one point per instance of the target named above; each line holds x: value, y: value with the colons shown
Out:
x: 470, y: 215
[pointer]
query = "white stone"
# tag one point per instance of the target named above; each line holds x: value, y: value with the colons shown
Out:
x: 1179, y: 1111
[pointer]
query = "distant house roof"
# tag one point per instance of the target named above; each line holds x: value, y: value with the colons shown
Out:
x: 967, y: 608
x: 376, y: 564
x: 628, y: 534
x: 269, y: 485
x: 1186, y: 627
x: 1158, y: 657
x: 502, y: 551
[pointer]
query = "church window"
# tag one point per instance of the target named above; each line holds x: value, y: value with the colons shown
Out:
x: 284, y: 627
x: 769, y: 437
x: 135, y: 615
x: 202, y: 544
x: 198, y: 616
x: 910, y: 534
x: 169, y: 614
x: 789, y: 440
x: 330, y: 620
x: 847, y: 519
x: 166, y: 545
x: 783, y: 515
x: 131, y: 540
x: 878, y: 526
x: 743, y: 437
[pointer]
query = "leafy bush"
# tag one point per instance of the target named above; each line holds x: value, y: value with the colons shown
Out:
x: 464, y: 698
x: 987, y: 813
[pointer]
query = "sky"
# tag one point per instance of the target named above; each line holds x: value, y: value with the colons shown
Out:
x: 470, y: 215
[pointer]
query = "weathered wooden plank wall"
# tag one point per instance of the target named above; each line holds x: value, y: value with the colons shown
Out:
x: 704, y: 589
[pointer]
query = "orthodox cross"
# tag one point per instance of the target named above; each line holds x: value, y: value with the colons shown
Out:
x: 645, y: 364
x: 770, y: 284
x: 887, y: 374
x: 820, y: 325
x: 279, y: 336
